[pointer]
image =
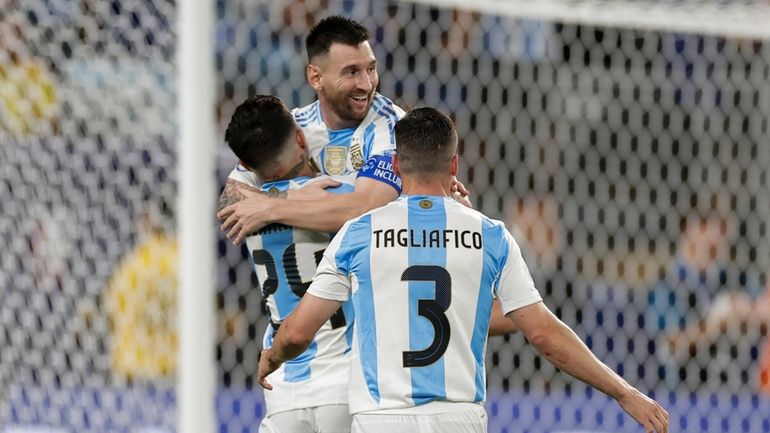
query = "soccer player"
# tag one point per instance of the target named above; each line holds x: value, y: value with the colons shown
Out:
x: 422, y: 273
x: 310, y: 390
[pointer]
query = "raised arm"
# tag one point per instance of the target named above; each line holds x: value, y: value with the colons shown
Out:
x: 562, y: 347
x: 327, y: 215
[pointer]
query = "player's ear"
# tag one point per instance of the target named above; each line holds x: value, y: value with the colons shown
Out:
x: 313, y: 73
x: 301, y: 142
x: 396, y: 168
x: 454, y: 164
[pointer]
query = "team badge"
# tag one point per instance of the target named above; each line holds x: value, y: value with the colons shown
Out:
x: 426, y: 204
x: 334, y: 159
x: 356, y: 154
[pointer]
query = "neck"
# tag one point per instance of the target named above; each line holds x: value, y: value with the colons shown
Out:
x: 431, y: 185
x: 333, y: 121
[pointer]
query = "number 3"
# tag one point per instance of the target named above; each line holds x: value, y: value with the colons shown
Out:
x: 433, y: 310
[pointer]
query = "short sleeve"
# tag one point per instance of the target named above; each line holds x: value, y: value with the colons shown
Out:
x: 515, y: 287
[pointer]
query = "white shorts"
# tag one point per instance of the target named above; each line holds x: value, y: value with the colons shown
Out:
x: 330, y: 418
x: 467, y: 420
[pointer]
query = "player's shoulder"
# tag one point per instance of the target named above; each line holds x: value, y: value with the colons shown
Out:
x: 347, y: 182
x: 385, y: 108
x: 487, y: 222
x: 307, y: 115
x: 286, y: 184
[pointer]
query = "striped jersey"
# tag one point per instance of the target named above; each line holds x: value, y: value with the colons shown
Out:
x: 422, y: 272
x: 285, y: 260
x: 343, y: 151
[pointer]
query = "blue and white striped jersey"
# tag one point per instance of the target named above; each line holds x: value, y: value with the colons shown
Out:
x: 422, y: 272
x: 285, y: 260
x: 364, y: 149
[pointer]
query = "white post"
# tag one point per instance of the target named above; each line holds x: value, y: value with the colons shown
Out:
x: 196, y: 182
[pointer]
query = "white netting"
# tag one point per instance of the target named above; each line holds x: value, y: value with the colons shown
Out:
x: 619, y: 146
x: 87, y: 156
x: 621, y: 141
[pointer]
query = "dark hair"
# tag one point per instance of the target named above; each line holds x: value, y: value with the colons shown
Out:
x: 259, y: 130
x: 426, y: 140
x: 334, y: 29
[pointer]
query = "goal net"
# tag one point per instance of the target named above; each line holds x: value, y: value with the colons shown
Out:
x: 624, y: 143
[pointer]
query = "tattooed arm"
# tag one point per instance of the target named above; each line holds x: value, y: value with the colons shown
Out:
x: 236, y: 191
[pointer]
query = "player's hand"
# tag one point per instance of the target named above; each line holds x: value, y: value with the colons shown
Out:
x: 645, y: 411
x: 460, y: 193
x: 266, y: 366
x: 245, y: 217
x: 313, y: 190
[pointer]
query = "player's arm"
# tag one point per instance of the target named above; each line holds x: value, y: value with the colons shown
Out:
x: 236, y: 191
x: 327, y: 215
x: 296, y: 333
x: 498, y: 323
x: 562, y: 347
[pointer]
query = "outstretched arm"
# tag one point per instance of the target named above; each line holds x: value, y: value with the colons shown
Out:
x: 295, y: 334
x: 562, y: 347
x: 327, y: 215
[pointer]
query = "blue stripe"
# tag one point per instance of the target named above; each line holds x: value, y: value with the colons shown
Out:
x: 306, y: 111
x: 385, y: 111
x: 353, y: 256
x: 390, y: 117
x: 493, y: 241
x: 298, y: 369
x: 368, y: 141
x: 387, y: 105
x: 275, y: 244
x: 428, y: 383
x: 391, y: 123
x: 316, y: 112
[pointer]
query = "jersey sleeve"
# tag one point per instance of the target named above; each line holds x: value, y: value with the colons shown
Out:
x: 380, y: 168
x: 515, y: 287
x: 331, y: 279
x: 241, y: 174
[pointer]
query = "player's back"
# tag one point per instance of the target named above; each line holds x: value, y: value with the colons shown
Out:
x: 424, y: 269
x: 285, y: 260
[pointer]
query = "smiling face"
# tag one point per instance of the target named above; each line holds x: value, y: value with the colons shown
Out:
x: 345, y: 79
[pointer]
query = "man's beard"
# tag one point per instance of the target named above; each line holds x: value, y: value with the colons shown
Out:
x: 342, y: 107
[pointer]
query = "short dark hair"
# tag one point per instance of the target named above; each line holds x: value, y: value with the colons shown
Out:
x: 426, y: 141
x: 259, y: 130
x: 334, y: 29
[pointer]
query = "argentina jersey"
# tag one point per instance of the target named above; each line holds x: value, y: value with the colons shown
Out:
x: 364, y: 149
x: 284, y: 260
x: 422, y: 273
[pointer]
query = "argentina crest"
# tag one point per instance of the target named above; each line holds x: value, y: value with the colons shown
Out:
x: 334, y: 159
x: 356, y: 153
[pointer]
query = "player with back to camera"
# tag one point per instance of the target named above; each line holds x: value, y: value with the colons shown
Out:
x: 311, y: 390
x: 422, y: 313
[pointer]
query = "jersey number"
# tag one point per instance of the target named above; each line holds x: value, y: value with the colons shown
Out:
x: 433, y: 310
x: 297, y: 286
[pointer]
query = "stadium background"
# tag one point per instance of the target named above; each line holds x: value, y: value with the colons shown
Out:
x: 628, y: 157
